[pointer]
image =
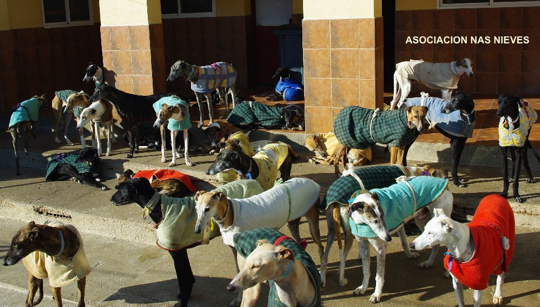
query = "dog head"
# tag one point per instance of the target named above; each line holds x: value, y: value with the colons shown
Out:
x: 266, y: 262
x: 79, y: 99
x: 128, y: 174
x: 167, y: 111
x: 212, y: 133
x: 101, y: 92
x: 209, y: 205
x: 230, y: 157
x: 508, y: 106
x: 294, y: 117
x: 180, y: 68
x: 23, y: 243
x: 93, y: 73
x: 465, y: 65
x: 42, y: 100
x: 312, y: 143
x: 434, y: 172
x: 459, y: 101
x: 366, y: 209
x: 416, y: 117
x: 437, y: 231
x: 129, y: 190
x: 282, y: 73
x: 89, y: 155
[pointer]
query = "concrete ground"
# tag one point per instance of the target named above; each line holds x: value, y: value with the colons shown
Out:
x: 129, y: 269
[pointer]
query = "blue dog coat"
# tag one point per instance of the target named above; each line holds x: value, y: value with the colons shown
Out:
x: 219, y: 74
x: 398, y: 202
x: 453, y: 123
x: 27, y: 110
x: 175, y: 125
x: 290, y: 89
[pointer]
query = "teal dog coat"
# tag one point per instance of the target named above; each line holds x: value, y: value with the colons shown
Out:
x: 398, y: 202
x: 27, y: 110
x: 175, y: 125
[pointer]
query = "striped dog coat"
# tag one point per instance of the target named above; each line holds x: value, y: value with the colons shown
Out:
x: 360, y: 128
x: 398, y: 202
x: 454, y: 123
x: 27, y: 110
x: 246, y: 242
x: 442, y: 75
x: 211, y: 77
x: 511, y: 136
x: 492, y: 223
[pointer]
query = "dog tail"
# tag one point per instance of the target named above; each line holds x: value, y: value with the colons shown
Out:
x: 40, y: 294
x: 337, y: 224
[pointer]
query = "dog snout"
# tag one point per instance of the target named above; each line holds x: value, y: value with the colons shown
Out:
x: 197, y: 228
x: 388, y: 238
x: 170, y: 79
x: 231, y: 287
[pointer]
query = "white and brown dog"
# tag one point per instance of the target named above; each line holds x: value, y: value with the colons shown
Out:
x: 437, y: 76
x: 99, y: 113
x: 175, y: 112
x: 475, y: 251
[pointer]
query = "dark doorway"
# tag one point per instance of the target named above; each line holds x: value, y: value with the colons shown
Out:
x: 389, y: 19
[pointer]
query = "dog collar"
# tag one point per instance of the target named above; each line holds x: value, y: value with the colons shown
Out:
x: 151, y: 205
x: 287, y: 271
x: 226, y: 212
x: 63, y: 244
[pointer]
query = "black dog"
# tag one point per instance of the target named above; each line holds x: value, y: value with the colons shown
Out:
x: 133, y: 109
x: 511, y: 109
x: 83, y: 167
x: 140, y: 191
x: 94, y: 73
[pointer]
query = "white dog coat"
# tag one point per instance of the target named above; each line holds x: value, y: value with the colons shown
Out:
x: 443, y: 75
x: 273, y: 208
x: 511, y: 136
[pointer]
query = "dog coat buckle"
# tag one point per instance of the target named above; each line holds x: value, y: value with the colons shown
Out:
x: 505, y: 243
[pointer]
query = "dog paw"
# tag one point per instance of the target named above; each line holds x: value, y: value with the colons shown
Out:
x: 200, y: 126
x: 425, y: 265
x: 189, y: 163
x: 343, y: 282
x: 163, y: 160
x: 375, y: 298
x: 104, y: 188
x: 57, y: 141
x: 172, y: 164
x: 108, y: 154
x: 414, y: 255
x: 235, y: 303
x: 497, y: 300
x: 447, y: 275
x: 530, y: 180
x: 98, y: 180
x: 70, y: 143
x: 129, y: 156
x: 518, y: 199
x: 359, y: 291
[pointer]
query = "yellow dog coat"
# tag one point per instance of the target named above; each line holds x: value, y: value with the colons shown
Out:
x: 243, y: 141
x: 269, y: 160
x: 510, y: 136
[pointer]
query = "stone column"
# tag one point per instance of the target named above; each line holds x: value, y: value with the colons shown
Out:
x: 132, y: 45
x: 343, y: 58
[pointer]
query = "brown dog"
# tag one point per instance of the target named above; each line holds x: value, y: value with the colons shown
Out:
x: 63, y: 111
x: 53, y: 251
x: 169, y: 187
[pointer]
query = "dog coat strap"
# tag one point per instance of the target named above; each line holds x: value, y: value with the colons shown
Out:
x: 278, y: 240
x: 151, y: 205
x: 350, y: 172
x: 63, y: 244
x: 505, y: 242
x: 371, y: 124
x: 413, y: 196
x: 289, y: 196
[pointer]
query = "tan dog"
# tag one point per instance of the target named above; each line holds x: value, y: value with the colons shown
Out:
x: 328, y: 150
x: 416, y: 118
x: 38, y: 245
x: 63, y: 110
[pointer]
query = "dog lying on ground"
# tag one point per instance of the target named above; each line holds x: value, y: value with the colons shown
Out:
x: 270, y: 255
x: 517, y: 119
x: 176, y: 218
x: 133, y: 109
x: 54, y: 251
x: 288, y: 87
x: 454, y: 118
x: 284, y: 203
x: 218, y: 132
x: 99, y: 113
x: 437, y: 76
x: 175, y: 112
x: 361, y: 128
x: 328, y: 150
x: 336, y: 202
x: 24, y: 115
x: 263, y: 166
x: 204, y: 80
x: 475, y: 251
x: 373, y: 214
x: 82, y: 167
x: 164, y: 181
x: 250, y: 114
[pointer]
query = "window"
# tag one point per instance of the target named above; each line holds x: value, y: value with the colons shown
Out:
x: 188, y: 8
x: 487, y: 3
x: 61, y: 13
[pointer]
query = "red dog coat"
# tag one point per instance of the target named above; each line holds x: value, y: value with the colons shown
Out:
x: 163, y: 174
x: 493, y: 219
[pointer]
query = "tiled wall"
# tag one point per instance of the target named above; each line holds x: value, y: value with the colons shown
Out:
x: 41, y: 61
x: 498, y: 68
x: 343, y: 65
x: 134, y: 58
x: 203, y: 41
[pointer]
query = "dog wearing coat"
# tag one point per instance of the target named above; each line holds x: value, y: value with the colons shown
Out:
x: 54, y: 251
x: 475, y: 251
x: 99, y: 113
x: 437, y: 76
x: 204, y: 80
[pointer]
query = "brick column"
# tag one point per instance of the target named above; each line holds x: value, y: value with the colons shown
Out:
x: 343, y: 59
x: 132, y: 46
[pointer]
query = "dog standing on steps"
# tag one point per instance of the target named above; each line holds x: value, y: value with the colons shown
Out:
x: 475, y: 251
x: 24, y: 115
x: 54, y: 251
x: 517, y: 118
x: 204, y: 80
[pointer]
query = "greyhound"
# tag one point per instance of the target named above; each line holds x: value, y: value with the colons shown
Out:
x: 438, y: 76
x: 98, y: 113
x: 469, y: 260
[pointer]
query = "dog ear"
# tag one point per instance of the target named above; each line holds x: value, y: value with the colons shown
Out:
x: 359, y: 206
x: 33, y: 233
x: 92, y: 112
x: 447, y: 225
x: 284, y: 253
x: 218, y: 196
x: 375, y: 197
x: 438, y: 212
x: 261, y: 242
x: 199, y: 193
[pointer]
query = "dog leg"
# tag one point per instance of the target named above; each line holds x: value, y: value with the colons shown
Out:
x: 329, y: 242
x: 57, y: 118
x: 404, y: 244
x: 57, y: 295
x: 222, y: 93
x: 294, y: 228
x: 458, y: 290
x: 232, y: 90
x: 477, y: 297
x: 238, y: 263
x: 67, y: 120
x: 186, y: 148
x: 517, y: 170
x: 504, y: 154
x: 81, y: 136
x: 497, y: 296
x: 95, y: 133
x: 530, y: 178
x: 34, y: 285
x: 109, y: 133
x: 457, y: 145
x: 174, y: 133
x: 393, y: 103
x: 380, y: 247
x: 14, y: 143
x: 184, y: 275
x: 81, y: 287
x: 406, y: 86
x: 364, y: 252
x: 162, y: 132
x: 343, y: 259
x: 209, y: 100
x: 313, y: 219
